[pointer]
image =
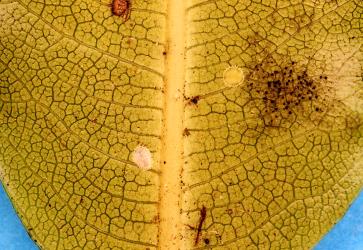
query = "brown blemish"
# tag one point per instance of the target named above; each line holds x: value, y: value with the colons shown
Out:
x: 186, y: 132
x: 194, y: 100
x: 156, y: 219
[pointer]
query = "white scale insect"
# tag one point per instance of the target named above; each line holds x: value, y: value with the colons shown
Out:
x: 141, y: 156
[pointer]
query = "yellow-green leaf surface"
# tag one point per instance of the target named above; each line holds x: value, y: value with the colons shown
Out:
x: 252, y: 112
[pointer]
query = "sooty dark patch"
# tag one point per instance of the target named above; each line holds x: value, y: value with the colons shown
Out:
x: 285, y: 91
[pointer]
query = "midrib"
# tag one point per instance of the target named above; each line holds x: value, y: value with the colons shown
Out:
x: 172, y: 138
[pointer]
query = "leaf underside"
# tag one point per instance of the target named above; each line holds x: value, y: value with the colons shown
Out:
x: 275, y: 160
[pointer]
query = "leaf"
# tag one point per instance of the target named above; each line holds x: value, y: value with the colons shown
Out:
x: 113, y: 134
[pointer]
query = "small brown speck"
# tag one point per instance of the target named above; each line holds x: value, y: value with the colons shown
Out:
x: 195, y: 99
x: 186, y: 132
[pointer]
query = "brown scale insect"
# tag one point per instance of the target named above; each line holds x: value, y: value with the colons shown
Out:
x: 121, y: 8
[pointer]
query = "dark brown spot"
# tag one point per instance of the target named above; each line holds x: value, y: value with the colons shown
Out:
x: 186, y: 132
x: 195, y: 99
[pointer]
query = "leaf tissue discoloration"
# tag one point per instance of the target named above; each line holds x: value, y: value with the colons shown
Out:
x: 287, y: 90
